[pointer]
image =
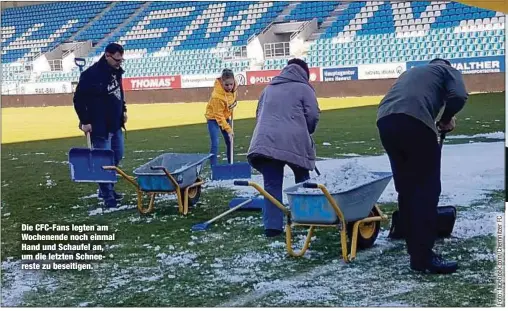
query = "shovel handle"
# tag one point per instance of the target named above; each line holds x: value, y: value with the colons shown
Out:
x: 310, y: 185
x: 229, y: 211
x: 88, y: 140
x: 80, y: 62
x: 232, y: 140
x: 317, y: 170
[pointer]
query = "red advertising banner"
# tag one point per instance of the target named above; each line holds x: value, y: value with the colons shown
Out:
x: 266, y: 76
x: 152, y: 83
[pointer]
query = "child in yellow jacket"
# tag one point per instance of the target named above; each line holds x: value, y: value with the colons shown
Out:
x: 219, y: 111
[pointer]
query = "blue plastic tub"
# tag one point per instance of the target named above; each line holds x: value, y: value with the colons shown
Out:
x: 184, y: 167
x: 355, y: 203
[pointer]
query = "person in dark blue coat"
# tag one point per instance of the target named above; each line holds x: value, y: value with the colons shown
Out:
x: 100, y: 105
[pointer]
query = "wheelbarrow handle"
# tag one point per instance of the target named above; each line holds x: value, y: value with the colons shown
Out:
x: 264, y: 193
x: 157, y: 168
x: 310, y: 185
x: 241, y: 183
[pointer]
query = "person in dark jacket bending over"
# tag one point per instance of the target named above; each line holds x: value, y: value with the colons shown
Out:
x: 286, y: 116
x: 100, y: 106
x: 406, y: 122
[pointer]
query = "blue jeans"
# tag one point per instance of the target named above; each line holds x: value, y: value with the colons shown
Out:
x: 113, y: 142
x: 273, y: 177
x: 213, y: 130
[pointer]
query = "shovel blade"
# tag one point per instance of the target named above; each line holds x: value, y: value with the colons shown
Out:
x: 86, y: 165
x: 201, y: 226
x: 231, y: 171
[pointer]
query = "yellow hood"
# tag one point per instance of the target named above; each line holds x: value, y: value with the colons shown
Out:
x: 218, y: 107
x: 220, y: 94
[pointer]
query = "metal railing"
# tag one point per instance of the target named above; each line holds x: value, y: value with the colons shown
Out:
x: 70, y: 50
x: 300, y: 29
x: 32, y: 58
x: 253, y: 36
x: 228, y: 53
x: 77, y: 47
x: 277, y: 49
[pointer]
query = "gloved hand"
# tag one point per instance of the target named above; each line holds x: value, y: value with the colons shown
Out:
x: 233, y: 105
x: 446, y: 127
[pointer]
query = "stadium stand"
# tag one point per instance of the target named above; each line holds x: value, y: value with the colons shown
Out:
x: 30, y: 30
x: 189, y: 38
x: 312, y: 9
x: 366, y: 33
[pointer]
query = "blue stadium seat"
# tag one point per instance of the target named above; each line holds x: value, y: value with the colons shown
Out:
x: 184, y: 38
x: 42, y: 29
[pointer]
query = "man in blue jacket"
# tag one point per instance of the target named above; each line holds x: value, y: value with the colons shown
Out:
x: 100, y: 106
x: 407, y: 127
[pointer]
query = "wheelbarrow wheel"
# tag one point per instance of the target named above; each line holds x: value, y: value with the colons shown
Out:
x: 367, y: 231
x: 194, y: 194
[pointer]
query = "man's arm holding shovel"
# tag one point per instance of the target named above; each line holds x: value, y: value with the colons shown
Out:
x: 81, y: 98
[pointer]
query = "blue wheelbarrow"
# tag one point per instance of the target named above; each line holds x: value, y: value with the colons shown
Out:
x: 354, y: 212
x: 168, y: 173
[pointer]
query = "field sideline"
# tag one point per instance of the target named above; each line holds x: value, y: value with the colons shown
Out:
x: 40, y: 123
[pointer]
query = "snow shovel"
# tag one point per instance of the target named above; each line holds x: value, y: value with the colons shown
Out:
x: 231, y: 170
x: 86, y: 164
x: 205, y: 225
x: 446, y: 214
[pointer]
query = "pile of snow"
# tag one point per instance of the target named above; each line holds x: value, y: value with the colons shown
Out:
x: 58, y: 162
x: 345, y: 177
x: 49, y: 183
x: 298, y: 291
x: 468, y: 173
x: 16, y: 283
x: 475, y: 223
x: 494, y: 135
x: 107, y: 210
x: 179, y: 259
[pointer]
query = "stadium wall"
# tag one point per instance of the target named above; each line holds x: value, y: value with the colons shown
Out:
x: 492, y: 82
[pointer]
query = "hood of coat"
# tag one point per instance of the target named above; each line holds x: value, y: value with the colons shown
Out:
x: 220, y: 93
x: 291, y: 73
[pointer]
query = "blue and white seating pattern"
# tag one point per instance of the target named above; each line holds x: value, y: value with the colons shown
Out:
x: 118, y: 12
x: 39, y: 28
x: 168, y: 38
x: 384, y: 32
x: 166, y: 26
x: 307, y: 10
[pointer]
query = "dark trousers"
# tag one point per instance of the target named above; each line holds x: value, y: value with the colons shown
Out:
x: 273, y: 177
x: 415, y: 158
